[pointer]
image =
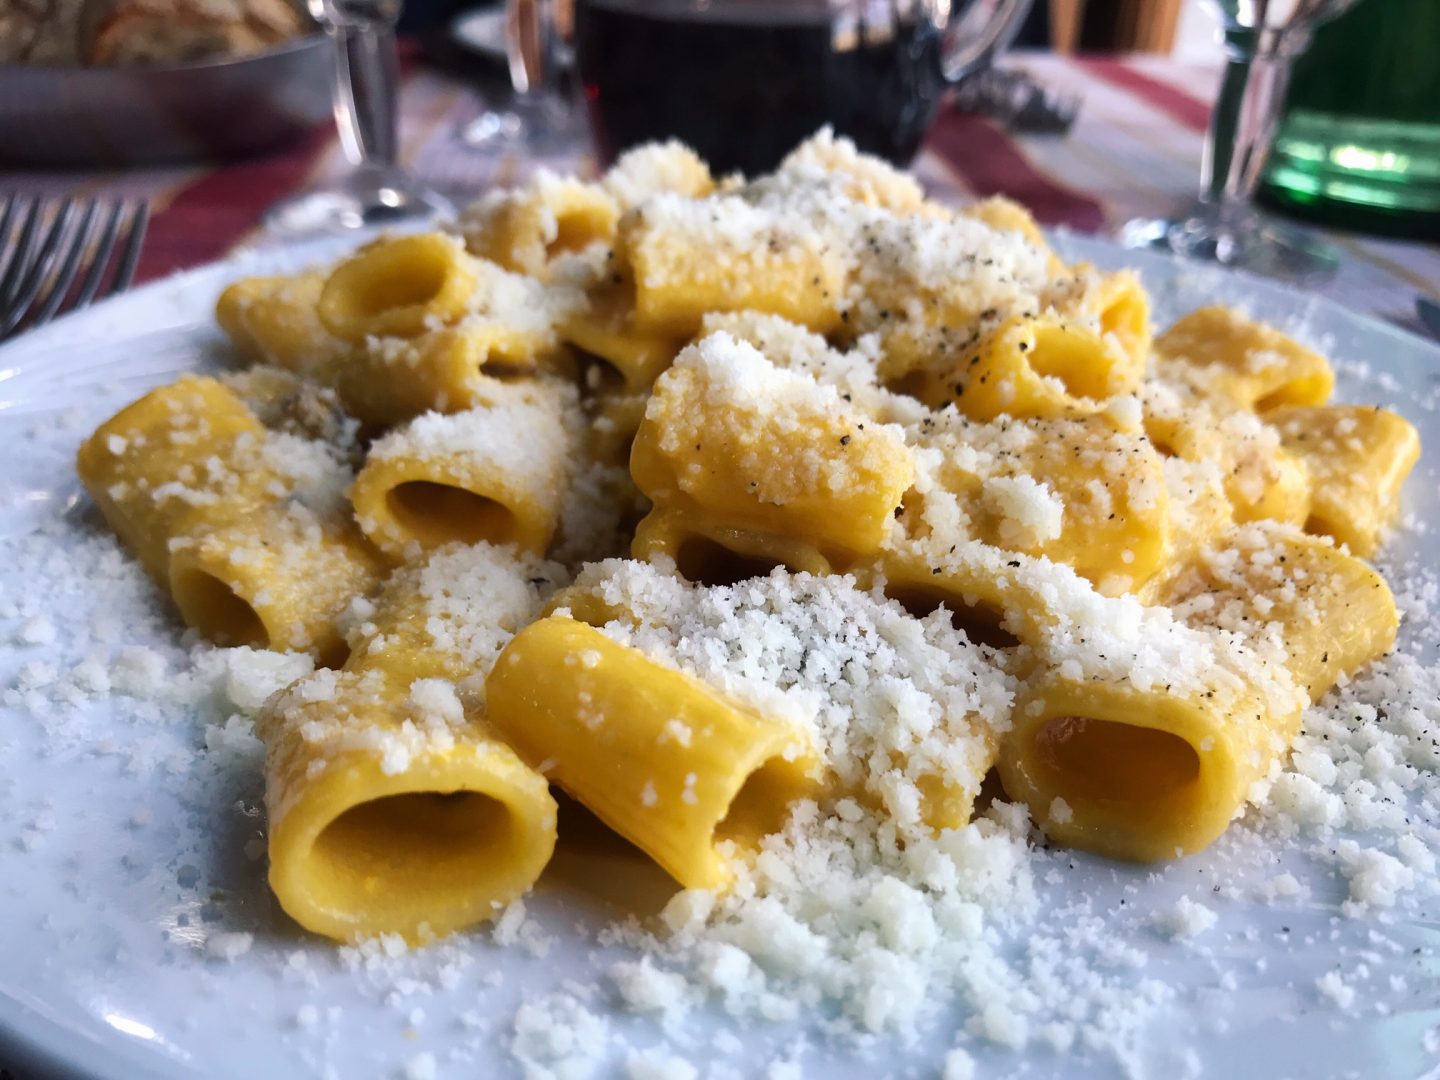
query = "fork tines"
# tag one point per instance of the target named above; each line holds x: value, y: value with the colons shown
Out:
x: 58, y: 256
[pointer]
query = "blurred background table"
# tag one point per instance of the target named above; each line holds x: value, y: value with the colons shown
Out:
x: 1134, y: 151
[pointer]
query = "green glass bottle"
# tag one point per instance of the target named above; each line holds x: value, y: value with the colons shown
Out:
x: 1359, y: 145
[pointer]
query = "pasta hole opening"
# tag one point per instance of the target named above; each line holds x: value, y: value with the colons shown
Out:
x: 705, y: 562
x: 913, y: 384
x: 761, y: 805
x: 1092, y: 760
x: 214, y: 608
x: 1066, y: 357
x: 440, y: 513
x: 601, y: 377
x: 1164, y: 447
x: 1127, y: 320
x: 435, y: 842
x: 421, y: 282
x: 980, y: 622
x: 334, y: 654
x: 1316, y: 525
x: 574, y: 232
x: 507, y: 369
x: 1285, y: 394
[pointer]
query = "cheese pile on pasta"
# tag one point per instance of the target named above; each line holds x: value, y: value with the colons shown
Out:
x: 711, y: 500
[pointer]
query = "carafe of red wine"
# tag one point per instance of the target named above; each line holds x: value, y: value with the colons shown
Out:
x: 743, y: 81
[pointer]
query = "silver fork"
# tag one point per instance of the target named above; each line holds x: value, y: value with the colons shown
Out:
x: 56, y: 258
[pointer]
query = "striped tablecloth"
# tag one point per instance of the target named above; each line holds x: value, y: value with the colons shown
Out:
x: 1134, y: 151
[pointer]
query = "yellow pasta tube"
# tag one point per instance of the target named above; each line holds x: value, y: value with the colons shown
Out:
x: 393, y: 805
x: 1357, y: 459
x: 1123, y: 308
x: 407, y: 325
x: 399, y: 286
x: 752, y: 447
x: 988, y: 596
x: 207, y: 500
x: 1074, y: 490
x: 277, y: 579
x: 524, y: 229
x: 713, y: 554
x: 275, y: 319
x: 389, y: 813
x: 1261, y: 477
x: 1245, y: 363
x: 685, y: 266
x: 391, y: 380
x: 1031, y: 367
x: 1137, y: 773
x: 494, y: 473
x: 606, y: 329
x: 1151, y: 771
x: 1297, y: 599
x: 687, y: 777
x: 183, y: 457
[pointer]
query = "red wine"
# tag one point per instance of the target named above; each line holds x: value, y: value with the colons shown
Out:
x: 743, y: 82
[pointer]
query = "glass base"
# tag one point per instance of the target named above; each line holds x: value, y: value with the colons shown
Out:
x: 539, y: 125
x: 1240, y: 239
x: 366, y: 198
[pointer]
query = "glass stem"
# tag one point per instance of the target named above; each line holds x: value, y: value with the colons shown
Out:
x: 1243, y: 123
x: 367, y: 76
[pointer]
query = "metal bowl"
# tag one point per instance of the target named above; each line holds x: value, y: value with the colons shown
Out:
x: 208, y: 110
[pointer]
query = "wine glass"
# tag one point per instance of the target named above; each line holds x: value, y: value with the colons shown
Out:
x: 378, y: 190
x: 1262, y: 38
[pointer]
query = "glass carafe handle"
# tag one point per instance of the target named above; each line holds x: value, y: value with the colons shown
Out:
x: 984, y: 28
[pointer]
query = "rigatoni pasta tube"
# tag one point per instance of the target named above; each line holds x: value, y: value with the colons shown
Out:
x: 751, y: 446
x: 390, y: 380
x: 1074, y: 490
x: 1149, y: 771
x: 660, y: 758
x: 202, y: 493
x: 1357, y: 459
x: 394, y: 807
x: 1297, y: 599
x: 278, y: 579
x: 1040, y: 367
x: 495, y: 473
x: 276, y: 319
x: 1244, y: 362
x: 1262, y: 479
x: 1131, y: 773
x: 685, y: 267
x: 606, y: 329
x: 389, y: 813
x: 399, y: 286
x: 983, y: 588
x: 184, y: 457
x: 524, y: 229
x: 1120, y: 303
x: 714, y: 554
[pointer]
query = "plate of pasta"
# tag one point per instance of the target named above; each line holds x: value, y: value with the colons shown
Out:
x: 671, y: 626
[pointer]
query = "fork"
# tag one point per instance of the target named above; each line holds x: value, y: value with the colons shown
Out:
x: 55, y: 258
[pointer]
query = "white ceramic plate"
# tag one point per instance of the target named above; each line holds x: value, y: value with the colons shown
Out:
x: 126, y: 855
